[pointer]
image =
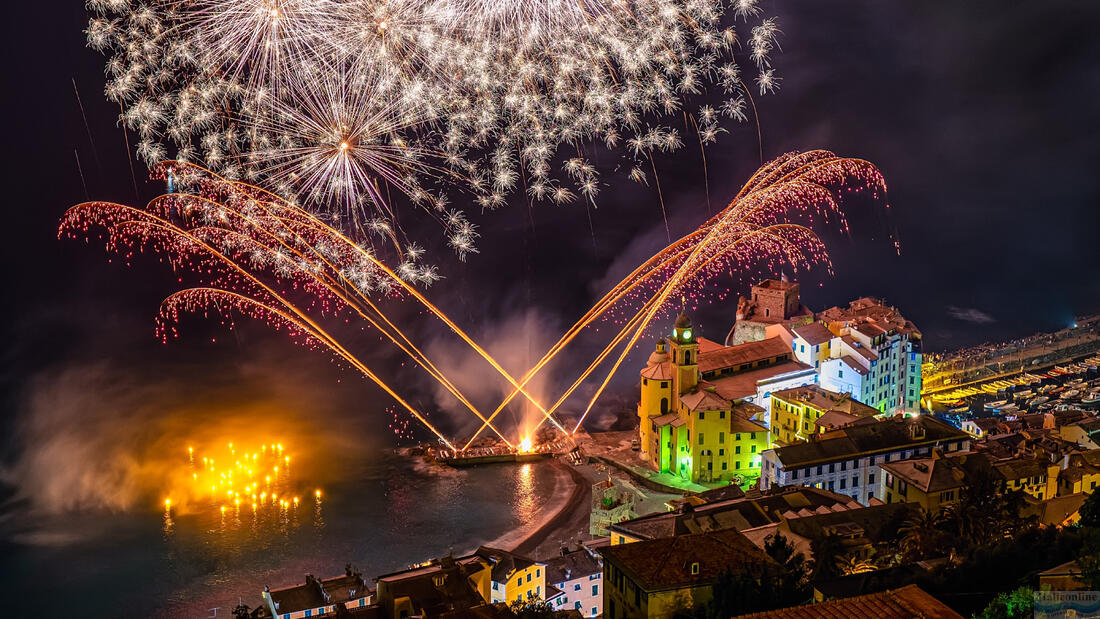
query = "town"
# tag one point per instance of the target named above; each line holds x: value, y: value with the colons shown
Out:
x: 803, y: 464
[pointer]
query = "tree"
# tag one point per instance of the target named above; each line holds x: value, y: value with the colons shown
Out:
x: 1090, y: 511
x: 241, y: 611
x: 854, y: 565
x: 922, y: 535
x: 1016, y: 604
x: 531, y: 610
x: 827, y: 550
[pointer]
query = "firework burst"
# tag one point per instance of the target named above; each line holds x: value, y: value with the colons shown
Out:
x: 497, y: 93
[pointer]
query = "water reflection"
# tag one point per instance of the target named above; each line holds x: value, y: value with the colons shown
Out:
x: 526, y: 503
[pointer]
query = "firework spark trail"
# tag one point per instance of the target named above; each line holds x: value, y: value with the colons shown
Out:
x: 141, y: 227
x: 264, y: 90
x: 285, y: 223
x: 232, y: 234
x: 811, y: 173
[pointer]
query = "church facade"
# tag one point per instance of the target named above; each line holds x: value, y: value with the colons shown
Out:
x: 697, y: 419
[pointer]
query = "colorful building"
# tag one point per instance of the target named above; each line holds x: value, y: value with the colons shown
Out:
x: 514, y: 578
x: 875, y: 355
x: 318, y: 597
x: 847, y: 460
x: 797, y: 413
x: 578, y: 576
x: 697, y: 417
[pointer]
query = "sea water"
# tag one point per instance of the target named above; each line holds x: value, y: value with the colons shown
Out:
x: 384, y: 516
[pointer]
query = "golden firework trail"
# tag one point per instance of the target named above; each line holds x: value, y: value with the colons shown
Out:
x: 263, y: 257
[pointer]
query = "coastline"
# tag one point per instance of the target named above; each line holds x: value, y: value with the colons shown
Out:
x: 568, y: 502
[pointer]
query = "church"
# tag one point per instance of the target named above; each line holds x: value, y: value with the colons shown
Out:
x: 703, y: 406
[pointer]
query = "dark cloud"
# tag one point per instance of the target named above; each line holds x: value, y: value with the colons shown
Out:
x: 970, y: 314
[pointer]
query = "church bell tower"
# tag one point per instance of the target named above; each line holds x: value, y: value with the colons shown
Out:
x: 684, y: 353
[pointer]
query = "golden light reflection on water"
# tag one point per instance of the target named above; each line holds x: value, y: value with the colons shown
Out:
x: 243, y: 487
x: 526, y: 500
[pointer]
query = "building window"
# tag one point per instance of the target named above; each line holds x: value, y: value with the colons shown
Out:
x: 721, y: 414
x: 701, y: 416
x: 737, y: 449
x: 723, y: 466
x: 695, y: 568
x: 577, y: 587
x: 700, y: 438
x: 737, y: 464
x: 721, y: 438
x: 595, y: 589
x: 496, y: 587
x: 843, y: 483
x: 721, y: 452
x: 664, y: 405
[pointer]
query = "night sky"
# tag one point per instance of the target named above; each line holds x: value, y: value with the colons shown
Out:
x: 982, y: 116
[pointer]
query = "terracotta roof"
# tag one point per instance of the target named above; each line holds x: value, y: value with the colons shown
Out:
x: 571, y: 565
x: 859, y: 440
x: 860, y: 349
x: 741, y: 354
x: 316, y: 593
x: 1055, y: 511
x: 667, y: 563
x: 657, y: 371
x: 929, y: 474
x: 702, y: 399
x: 743, y: 384
x: 909, y: 602
x: 856, y: 366
x: 814, y: 333
x: 706, y: 345
x: 669, y: 418
x: 744, y: 512
x: 824, y: 400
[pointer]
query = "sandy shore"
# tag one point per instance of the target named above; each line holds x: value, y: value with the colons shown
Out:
x: 570, y: 498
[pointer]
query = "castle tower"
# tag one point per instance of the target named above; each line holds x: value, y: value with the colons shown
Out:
x: 684, y: 353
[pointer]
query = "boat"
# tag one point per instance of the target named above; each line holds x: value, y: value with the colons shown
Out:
x: 1091, y: 399
x: 992, y: 406
x: 1069, y: 395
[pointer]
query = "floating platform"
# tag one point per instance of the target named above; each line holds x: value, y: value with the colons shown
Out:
x: 495, y: 459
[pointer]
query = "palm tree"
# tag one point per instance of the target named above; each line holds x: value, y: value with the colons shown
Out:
x: 921, y: 534
x: 853, y: 564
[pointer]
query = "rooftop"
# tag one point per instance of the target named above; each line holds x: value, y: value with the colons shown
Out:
x: 738, y: 512
x: 814, y: 333
x: 909, y: 602
x: 859, y: 440
x: 575, y: 564
x: 670, y: 563
x: 743, y: 384
x: 825, y: 400
x: 743, y: 354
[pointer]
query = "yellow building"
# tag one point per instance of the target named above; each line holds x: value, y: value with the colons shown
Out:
x: 929, y: 482
x: 1081, y: 474
x: 802, y: 411
x: 657, y: 578
x: 514, y: 578
x: 696, y: 413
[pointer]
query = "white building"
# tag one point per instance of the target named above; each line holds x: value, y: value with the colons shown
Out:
x: 846, y: 461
